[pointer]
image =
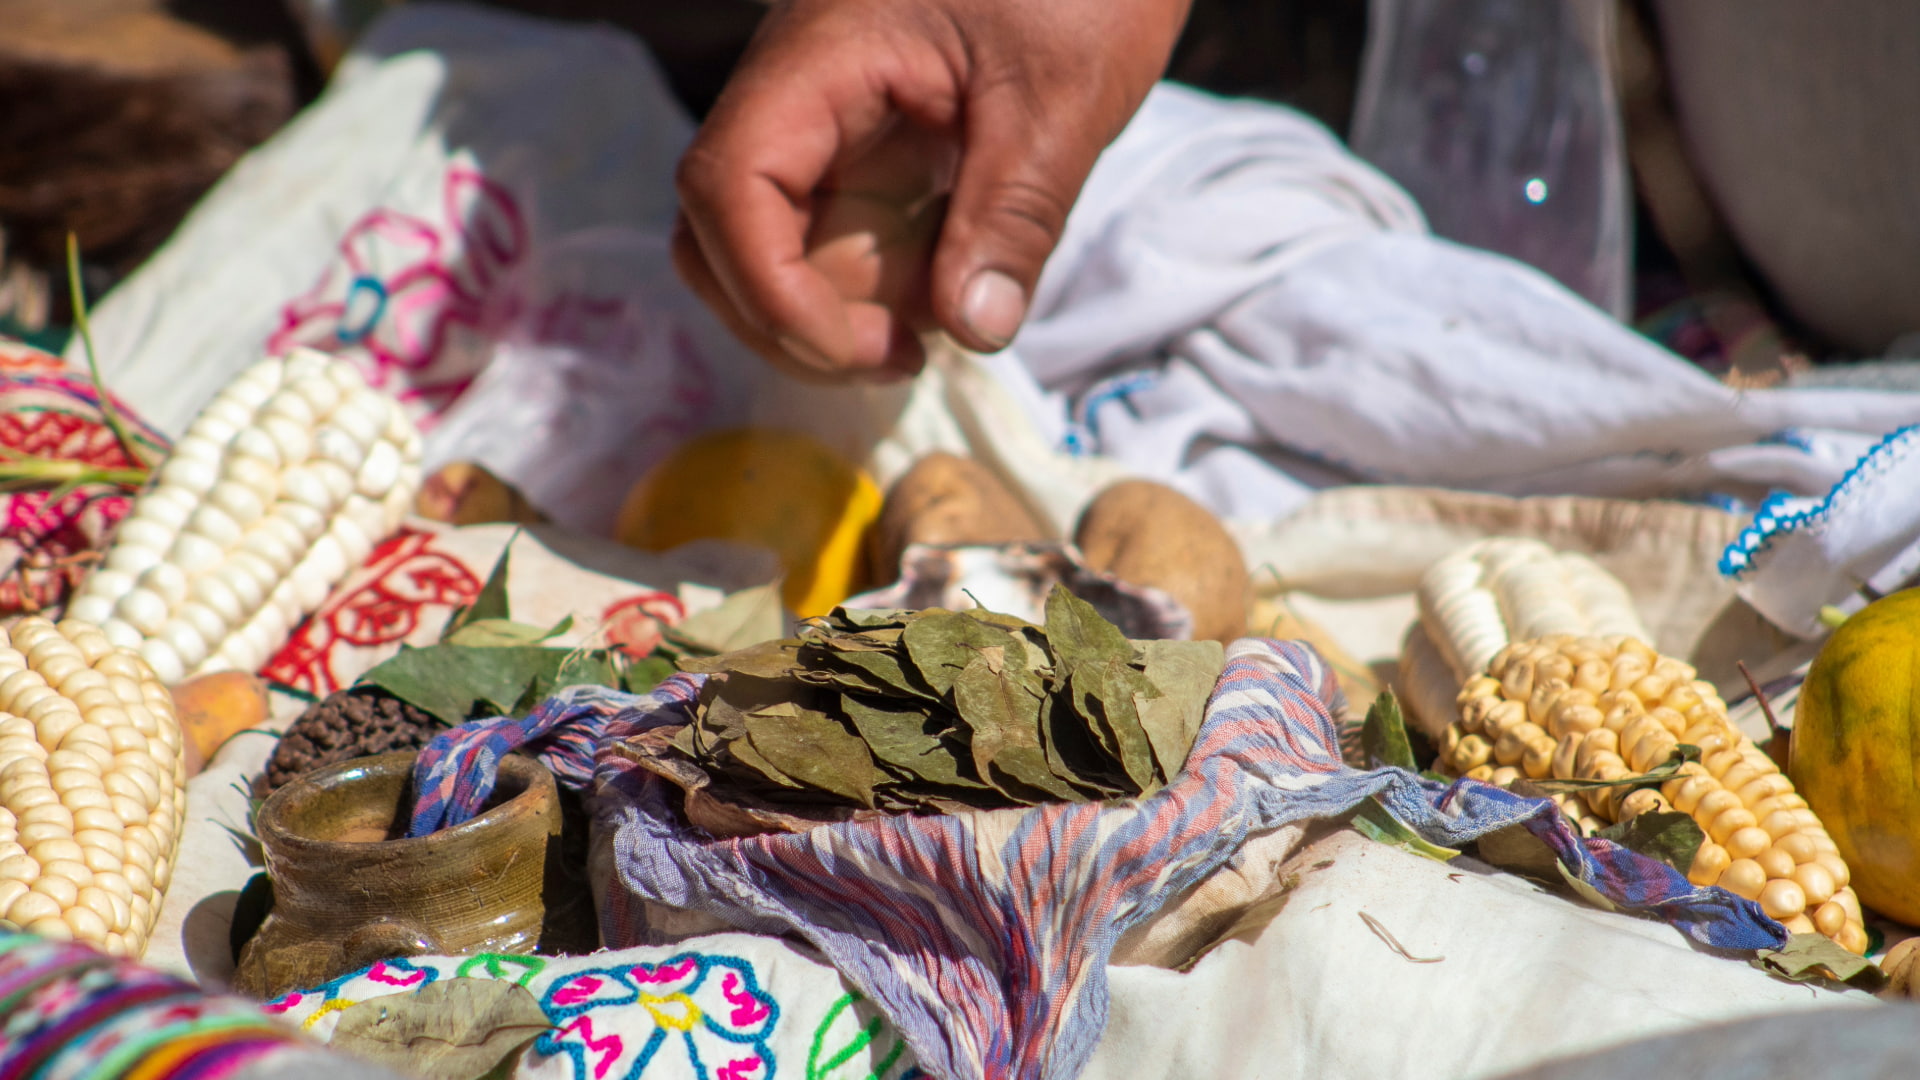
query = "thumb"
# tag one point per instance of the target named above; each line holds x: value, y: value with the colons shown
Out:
x: 1017, y: 180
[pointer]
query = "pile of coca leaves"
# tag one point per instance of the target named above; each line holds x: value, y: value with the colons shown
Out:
x: 934, y: 711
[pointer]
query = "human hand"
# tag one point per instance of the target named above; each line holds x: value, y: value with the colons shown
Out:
x: 877, y: 168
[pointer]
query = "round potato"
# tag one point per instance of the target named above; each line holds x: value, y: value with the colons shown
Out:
x: 947, y: 499
x: 1146, y: 533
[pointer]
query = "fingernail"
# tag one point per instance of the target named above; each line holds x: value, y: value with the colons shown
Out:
x: 993, y: 306
x: 805, y: 353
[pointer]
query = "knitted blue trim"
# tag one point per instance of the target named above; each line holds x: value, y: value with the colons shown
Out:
x: 1774, y: 518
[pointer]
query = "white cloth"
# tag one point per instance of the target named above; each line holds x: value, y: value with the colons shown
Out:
x: 1242, y: 306
x: 1801, y: 555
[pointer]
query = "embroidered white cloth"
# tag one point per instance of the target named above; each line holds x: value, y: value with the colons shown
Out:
x: 1801, y: 555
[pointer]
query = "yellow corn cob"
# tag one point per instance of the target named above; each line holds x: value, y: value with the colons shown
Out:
x: 280, y: 487
x: 1559, y: 683
x: 1476, y: 600
x: 1602, y: 709
x: 92, y: 786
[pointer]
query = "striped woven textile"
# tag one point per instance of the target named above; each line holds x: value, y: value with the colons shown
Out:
x: 985, y: 936
x: 68, y: 1011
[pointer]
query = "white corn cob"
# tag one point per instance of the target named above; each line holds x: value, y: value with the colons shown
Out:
x: 280, y: 487
x: 1476, y: 600
x: 1575, y: 695
x: 92, y: 786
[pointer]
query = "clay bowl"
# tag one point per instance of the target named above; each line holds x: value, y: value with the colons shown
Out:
x: 350, y: 889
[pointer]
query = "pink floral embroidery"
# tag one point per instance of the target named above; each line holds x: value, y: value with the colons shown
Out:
x: 402, y: 284
x: 609, y: 1047
x: 747, y: 1009
x: 666, y: 973
x: 378, y: 973
x: 742, y: 1069
x: 284, y: 1003
x: 576, y: 991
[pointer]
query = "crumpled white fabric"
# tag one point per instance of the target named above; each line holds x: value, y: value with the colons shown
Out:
x: 1801, y: 555
x: 1241, y: 305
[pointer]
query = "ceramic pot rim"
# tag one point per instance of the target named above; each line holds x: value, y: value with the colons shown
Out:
x: 538, y: 780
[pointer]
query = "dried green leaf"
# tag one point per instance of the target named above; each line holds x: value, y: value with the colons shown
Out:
x: 1104, y: 693
x: 452, y: 1029
x: 1672, y: 838
x: 1005, y: 718
x: 846, y: 618
x: 1377, y: 823
x: 509, y: 1062
x: 909, y: 739
x: 1816, y: 958
x: 744, y: 618
x: 452, y: 681
x: 1518, y: 851
x: 491, y: 601
x: 764, y: 660
x: 1077, y: 634
x: 816, y: 750
x: 1654, y: 777
x: 940, y: 644
x: 1583, y: 890
x: 877, y: 672
x: 1074, y: 755
x: 1383, y: 737
x: 642, y: 675
x: 504, y: 633
x: 742, y: 751
x: 1184, y: 672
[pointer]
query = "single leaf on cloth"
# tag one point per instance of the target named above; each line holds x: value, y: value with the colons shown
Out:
x: 816, y: 750
x: 1517, y: 851
x: 940, y: 645
x: 491, y: 601
x: 485, y: 633
x: 1384, y: 734
x: 450, y: 681
x: 452, y: 1029
x: 744, y: 618
x: 1376, y: 823
x: 1005, y: 718
x: 1816, y: 958
x: 509, y: 1062
x: 1185, y: 673
x: 1673, y: 838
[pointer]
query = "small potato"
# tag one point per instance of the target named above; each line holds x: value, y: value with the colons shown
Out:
x: 947, y: 499
x: 1146, y: 533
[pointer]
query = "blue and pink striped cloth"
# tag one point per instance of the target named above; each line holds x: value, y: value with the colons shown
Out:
x: 985, y: 936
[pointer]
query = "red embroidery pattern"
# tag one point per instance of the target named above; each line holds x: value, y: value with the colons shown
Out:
x: 633, y: 626
x: 49, y: 411
x: 379, y: 605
